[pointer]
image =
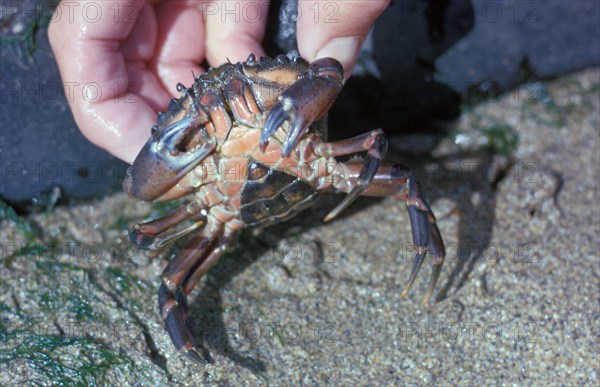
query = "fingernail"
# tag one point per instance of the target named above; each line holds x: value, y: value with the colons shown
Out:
x: 345, y: 50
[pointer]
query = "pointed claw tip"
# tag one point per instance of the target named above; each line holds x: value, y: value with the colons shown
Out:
x: 427, y: 298
x: 405, y: 292
x: 332, y: 214
x: 262, y: 145
x: 195, y: 356
x: 285, y: 151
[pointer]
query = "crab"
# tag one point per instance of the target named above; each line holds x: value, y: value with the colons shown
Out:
x: 246, y: 145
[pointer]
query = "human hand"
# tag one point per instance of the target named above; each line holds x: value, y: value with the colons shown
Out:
x: 120, y: 61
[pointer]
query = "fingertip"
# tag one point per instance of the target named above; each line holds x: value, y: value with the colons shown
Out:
x: 56, y: 25
x: 233, y: 51
x: 234, y: 34
x: 52, y: 37
x: 180, y: 44
x: 127, y: 144
x: 119, y: 128
x: 345, y: 50
x: 127, y: 153
x: 338, y: 29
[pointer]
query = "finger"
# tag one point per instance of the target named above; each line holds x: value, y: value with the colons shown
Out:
x: 336, y: 29
x: 138, y: 50
x: 95, y: 74
x: 180, y: 43
x: 234, y: 29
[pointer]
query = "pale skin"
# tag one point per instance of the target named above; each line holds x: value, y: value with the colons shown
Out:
x: 121, y: 60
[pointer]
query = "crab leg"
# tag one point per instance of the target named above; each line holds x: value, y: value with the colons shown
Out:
x: 172, y: 301
x: 219, y: 123
x: 392, y: 180
x: 156, y: 233
x: 211, y: 258
x: 175, y: 314
x: 189, y: 256
x: 242, y: 103
x: 374, y: 143
x: 179, y: 278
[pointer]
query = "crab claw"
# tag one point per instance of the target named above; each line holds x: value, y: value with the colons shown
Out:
x: 304, y: 102
x: 167, y: 157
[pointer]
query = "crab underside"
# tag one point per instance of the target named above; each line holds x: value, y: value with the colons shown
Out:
x: 246, y: 146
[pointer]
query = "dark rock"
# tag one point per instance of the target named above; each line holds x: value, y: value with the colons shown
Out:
x: 432, y: 56
x: 423, y: 60
x: 41, y: 147
x: 547, y: 38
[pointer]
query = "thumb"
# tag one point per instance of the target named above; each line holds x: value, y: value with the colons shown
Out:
x: 336, y: 29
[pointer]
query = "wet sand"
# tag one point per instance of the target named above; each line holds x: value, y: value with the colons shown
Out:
x: 515, y: 190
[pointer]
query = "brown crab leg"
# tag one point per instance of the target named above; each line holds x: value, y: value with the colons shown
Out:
x: 174, y: 312
x: 211, y: 258
x: 179, y: 278
x: 357, y: 144
x: 190, y: 255
x: 156, y: 233
x: 172, y: 301
x: 375, y: 144
x: 242, y: 103
x: 392, y: 180
x: 219, y: 123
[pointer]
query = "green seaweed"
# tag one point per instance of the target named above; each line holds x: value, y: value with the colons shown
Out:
x: 123, y: 222
x: 25, y: 42
x: 230, y: 309
x: 502, y: 139
x: 119, y: 280
x: 60, y: 297
x: 69, y: 357
x: 8, y: 213
x: 128, y: 286
x: 50, y: 357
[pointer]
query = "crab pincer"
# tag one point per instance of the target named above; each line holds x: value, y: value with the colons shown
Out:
x: 305, y: 102
x: 164, y: 160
